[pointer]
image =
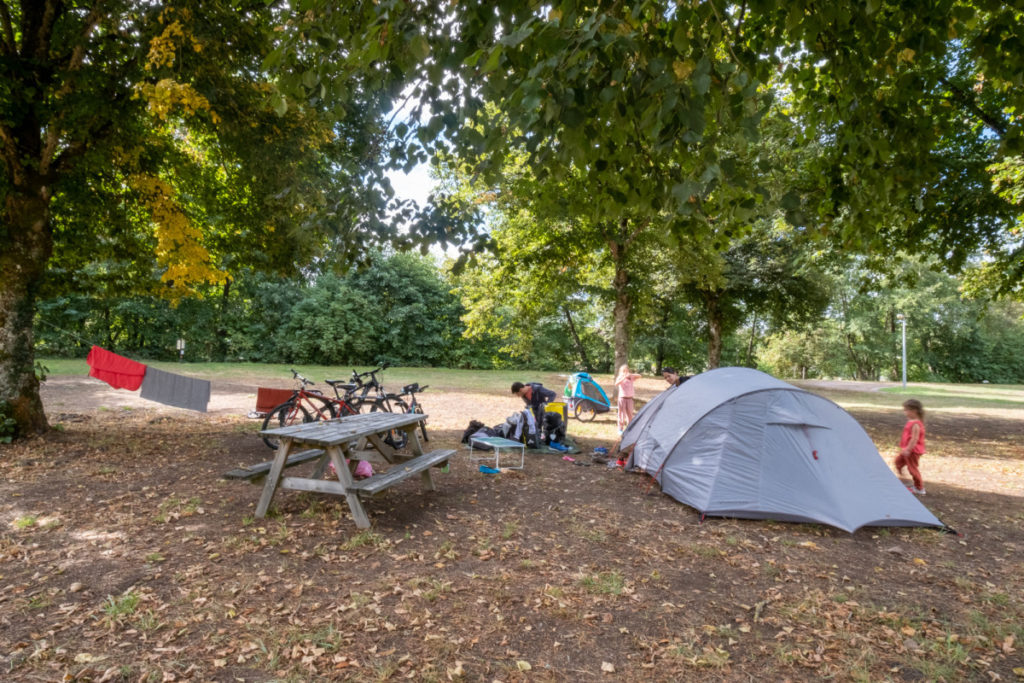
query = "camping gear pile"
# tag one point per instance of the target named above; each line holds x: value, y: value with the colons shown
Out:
x: 522, y: 426
x: 585, y: 397
x: 736, y: 442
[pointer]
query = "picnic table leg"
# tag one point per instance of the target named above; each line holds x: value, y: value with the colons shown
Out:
x: 274, y: 476
x: 417, y: 449
x: 321, y: 466
x: 337, y: 456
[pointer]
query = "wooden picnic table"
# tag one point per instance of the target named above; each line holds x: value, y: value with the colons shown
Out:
x: 353, y: 437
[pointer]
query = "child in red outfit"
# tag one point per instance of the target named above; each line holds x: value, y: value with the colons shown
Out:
x: 912, y: 443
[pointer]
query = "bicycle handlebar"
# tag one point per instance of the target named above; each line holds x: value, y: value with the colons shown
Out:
x: 369, y: 373
x: 305, y: 382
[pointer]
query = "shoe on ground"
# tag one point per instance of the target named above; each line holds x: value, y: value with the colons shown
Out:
x: 916, y: 491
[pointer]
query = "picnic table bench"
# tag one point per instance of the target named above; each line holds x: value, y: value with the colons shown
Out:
x: 351, y: 438
x: 253, y: 472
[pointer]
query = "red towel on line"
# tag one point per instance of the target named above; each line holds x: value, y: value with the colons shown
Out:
x: 117, y: 371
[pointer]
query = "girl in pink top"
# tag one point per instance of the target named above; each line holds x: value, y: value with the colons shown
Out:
x: 912, y: 443
x: 624, y: 384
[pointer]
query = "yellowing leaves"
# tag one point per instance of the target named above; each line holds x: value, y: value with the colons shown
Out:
x: 163, y: 49
x: 179, y: 243
x: 683, y: 69
x: 166, y: 95
x: 906, y: 55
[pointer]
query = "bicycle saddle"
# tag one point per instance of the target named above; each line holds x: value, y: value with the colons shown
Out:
x: 340, y: 384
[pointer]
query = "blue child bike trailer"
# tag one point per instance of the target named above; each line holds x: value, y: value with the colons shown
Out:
x: 585, y: 397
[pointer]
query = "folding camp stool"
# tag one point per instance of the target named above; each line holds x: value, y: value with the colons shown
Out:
x: 498, y: 443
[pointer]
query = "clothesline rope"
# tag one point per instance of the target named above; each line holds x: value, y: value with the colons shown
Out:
x: 67, y: 333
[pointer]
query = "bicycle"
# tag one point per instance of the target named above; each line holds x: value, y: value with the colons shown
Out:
x: 379, y: 400
x: 303, y: 406
x: 347, y: 403
x: 414, y: 405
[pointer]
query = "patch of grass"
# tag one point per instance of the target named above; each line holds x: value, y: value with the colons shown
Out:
x: 997, y: 598
x: 446, y: 551
x: 609, y: 583
x: 932, y: 670
x: 963, y: 583
x: 153, y: 558
x: 365, y: 539
x: 510, y: 530
x: 175, y: 508
x: 314, y: 507
x: 384, y: 669
x: 122, y: 605
x: 360, y: 599
x: 555, y: 592
x: 25, y: 521
x: 706, y: 551
x: 40, y: 601
x: 280, y: 534
x: 706, y: 657
x: 149, y: 622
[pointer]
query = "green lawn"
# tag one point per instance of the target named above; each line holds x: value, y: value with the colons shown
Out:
x: 963, y: 395
x: 485, y: 381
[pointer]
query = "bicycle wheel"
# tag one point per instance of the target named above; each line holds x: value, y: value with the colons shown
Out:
x: 284, y: 415
x: 418, y: 409
x: 585, y: 413
x: 396, y: 438
x: 318, y: 407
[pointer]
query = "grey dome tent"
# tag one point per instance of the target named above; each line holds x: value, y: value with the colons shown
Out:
x: 736, y: 442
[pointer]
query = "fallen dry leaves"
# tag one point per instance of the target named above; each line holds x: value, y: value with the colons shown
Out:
x: 123, y: 556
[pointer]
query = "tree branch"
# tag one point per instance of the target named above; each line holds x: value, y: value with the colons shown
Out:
x: 968, y: 101
x: 9, y: 46
x: 725, y: 27
x: 74, y: 64
x: 46, y: 29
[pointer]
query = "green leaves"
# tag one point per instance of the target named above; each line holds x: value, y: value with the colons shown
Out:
x: 419, y: 47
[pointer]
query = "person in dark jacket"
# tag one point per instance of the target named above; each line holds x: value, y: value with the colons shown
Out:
x: 535, y: 395
x: 673, y: 377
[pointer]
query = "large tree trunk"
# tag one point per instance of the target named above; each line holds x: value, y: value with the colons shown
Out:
x: 714, y: 315
x: 749, y: 362
x: 27, y: 248
x: 659, y: 360
x: 623, y: 304
x: 580, y: 349
x: 223, y: 348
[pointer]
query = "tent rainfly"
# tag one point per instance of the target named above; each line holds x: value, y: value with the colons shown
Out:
x: 736, y: 442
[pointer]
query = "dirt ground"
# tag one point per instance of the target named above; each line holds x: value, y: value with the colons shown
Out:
x: 125, y: 556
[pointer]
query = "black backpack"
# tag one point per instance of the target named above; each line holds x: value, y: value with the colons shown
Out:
x: 554, y: 428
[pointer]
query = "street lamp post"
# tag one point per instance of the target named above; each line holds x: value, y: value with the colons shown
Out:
x: 903, y: 320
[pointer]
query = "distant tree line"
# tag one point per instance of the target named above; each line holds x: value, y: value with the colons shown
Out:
x: 407, y: 310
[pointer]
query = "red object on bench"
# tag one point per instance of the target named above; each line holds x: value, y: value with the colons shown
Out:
x: 267, y: 399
